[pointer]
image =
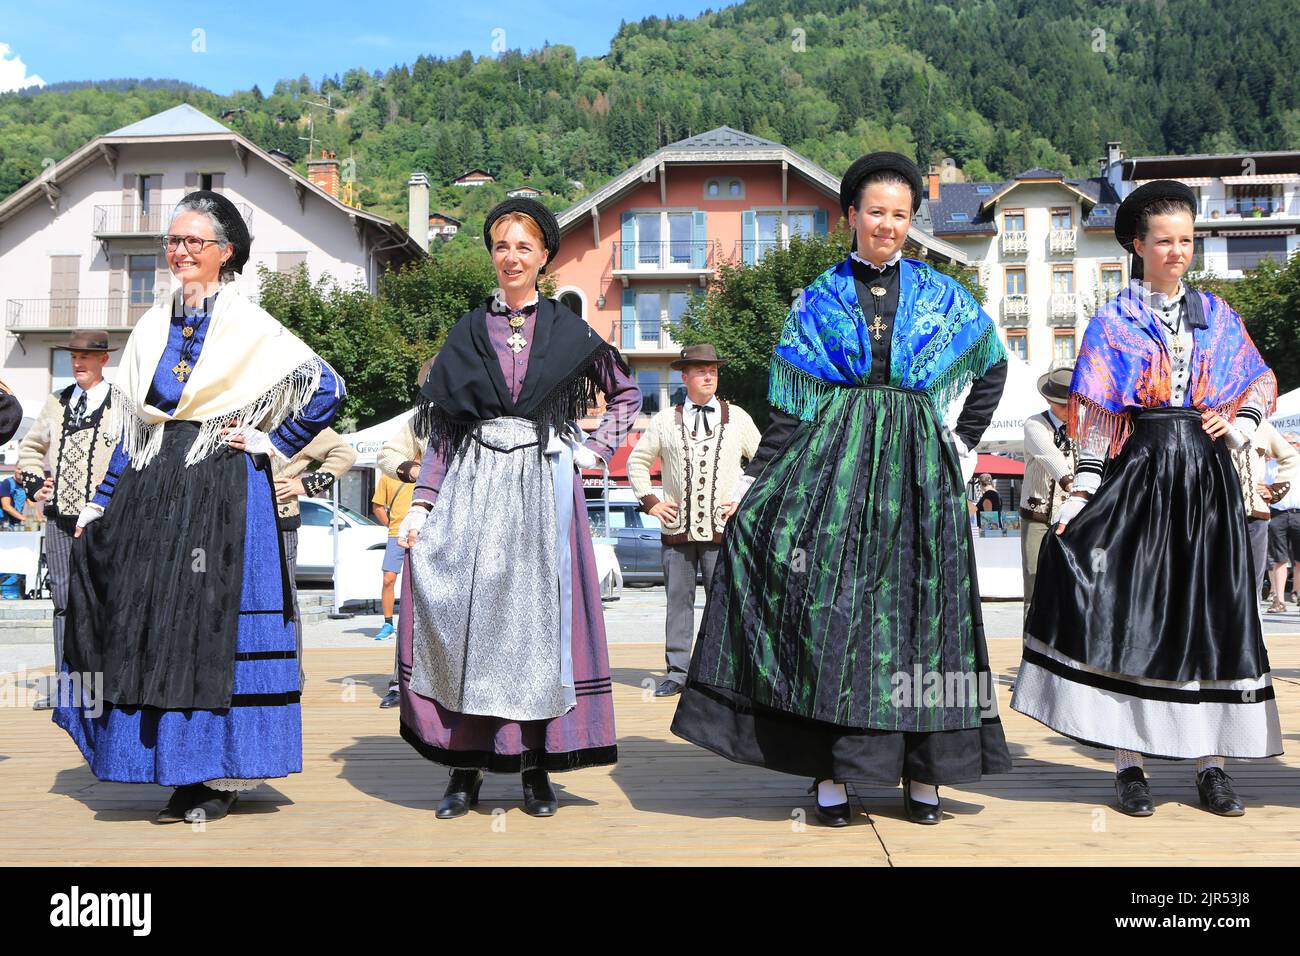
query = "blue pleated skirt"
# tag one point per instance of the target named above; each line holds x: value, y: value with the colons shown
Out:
x: 260, y: 734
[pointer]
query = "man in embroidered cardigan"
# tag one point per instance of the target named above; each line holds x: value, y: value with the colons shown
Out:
x: 68, y: 431
x: 703, y: 445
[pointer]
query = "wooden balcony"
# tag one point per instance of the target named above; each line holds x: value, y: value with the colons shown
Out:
x: 1015, y: 243
x: 1063, y: 310
x: 1062, y: 242
x: 1015, y: 311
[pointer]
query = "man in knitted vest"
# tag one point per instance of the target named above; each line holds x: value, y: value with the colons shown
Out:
x: 702, y: 445
x: 70, y: 432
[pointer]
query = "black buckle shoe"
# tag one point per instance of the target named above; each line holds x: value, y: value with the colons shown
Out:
x: 1132, y: 793
x: 182, y: 801
x: 1217, y: 794
x: 461, y: 794
x: 391, y: 699
x: 668, y: 687
x: 927, y: 814
x: 839, y: 815
x: 211, y: 805
x: 539, y: 798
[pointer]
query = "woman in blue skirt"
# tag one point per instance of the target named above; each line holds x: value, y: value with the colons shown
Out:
x: 180, y: 623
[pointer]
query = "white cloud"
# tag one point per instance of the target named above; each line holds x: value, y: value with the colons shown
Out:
x: 13, y: 72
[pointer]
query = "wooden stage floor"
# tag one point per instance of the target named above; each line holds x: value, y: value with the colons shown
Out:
x: 365, y: 797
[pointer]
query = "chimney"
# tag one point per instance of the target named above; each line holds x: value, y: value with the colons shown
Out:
x: 324, y: 172
x: 1113, y: 167
x: 417, y: 189
x: 934, y: 183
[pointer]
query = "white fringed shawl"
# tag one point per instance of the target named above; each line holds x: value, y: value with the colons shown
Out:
x: 252, y: 372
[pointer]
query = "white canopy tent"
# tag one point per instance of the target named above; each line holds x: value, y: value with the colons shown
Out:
x: 1286, y: 417
x: 368, y: 441
x: 1020, y: 399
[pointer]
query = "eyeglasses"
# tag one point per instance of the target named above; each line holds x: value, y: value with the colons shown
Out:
x: 193, y: 244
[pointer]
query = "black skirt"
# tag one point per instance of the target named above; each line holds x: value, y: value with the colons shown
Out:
x: 154, y: 596
x: 1153, y: 579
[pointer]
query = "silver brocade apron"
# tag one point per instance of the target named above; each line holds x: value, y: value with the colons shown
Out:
x: 491, y: 576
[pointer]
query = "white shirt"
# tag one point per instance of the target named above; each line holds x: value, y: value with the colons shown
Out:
x: 1292, y: 499
x: 695, y: 419
x: 94, y: 396
x: 871, y: 265
x: 499, y: 301
x: 1171, y: 310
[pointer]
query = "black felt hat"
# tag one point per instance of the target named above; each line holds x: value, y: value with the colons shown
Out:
x: 232, y: 223
x: 1126, y: 217
x: 851, y: 184
x: 545, y: 219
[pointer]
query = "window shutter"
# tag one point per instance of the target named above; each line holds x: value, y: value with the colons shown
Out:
x: 820, y: 222
x: 219, y: 183
x: 627, y: 336
x: 116, y: 290
x: 749, y: 236
x: 699, y: 235
x: 627, y: 242
x: 191, y: 182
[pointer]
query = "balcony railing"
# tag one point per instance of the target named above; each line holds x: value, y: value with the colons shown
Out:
x: 643, y: 336
x: 1063, y: 309
x: 1015, y: 310
x: 751, y: 251
x: 1250, y: 207
x: 34, y: 315
x: 670, y: 255
x: 1015, y: 242
x: 132, y: 219
x: 1062, y: 242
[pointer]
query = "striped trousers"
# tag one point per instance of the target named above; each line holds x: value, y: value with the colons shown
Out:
x: 58, y: 551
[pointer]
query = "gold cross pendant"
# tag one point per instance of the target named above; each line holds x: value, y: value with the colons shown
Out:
x: 877, y: 327
x: 181, y: 369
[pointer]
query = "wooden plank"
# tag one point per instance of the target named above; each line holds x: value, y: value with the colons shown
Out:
x: 365, y: 797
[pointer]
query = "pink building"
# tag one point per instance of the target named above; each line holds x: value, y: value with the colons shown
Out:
x: 636, y: 250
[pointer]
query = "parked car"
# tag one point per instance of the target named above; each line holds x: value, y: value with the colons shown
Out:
x: 635, y: 535
x: 357, y: 533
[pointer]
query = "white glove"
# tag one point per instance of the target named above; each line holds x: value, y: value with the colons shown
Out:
x: 257, y: 442
x: 1073, y: 505
x: 584, y: 457
x: 88, y: 514
x: 1239, y: 435
x: 740, y: 487
x: 966, y: 459
x: 410, y: 527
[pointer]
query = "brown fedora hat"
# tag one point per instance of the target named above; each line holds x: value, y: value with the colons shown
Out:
x: 702, y: 354
x: 87, y: 340
x: 1055, y: 385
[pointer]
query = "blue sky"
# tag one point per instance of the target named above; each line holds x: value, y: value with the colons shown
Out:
x: 249, y: 43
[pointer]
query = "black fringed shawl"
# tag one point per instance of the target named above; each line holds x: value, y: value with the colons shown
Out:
x: 466, y: 386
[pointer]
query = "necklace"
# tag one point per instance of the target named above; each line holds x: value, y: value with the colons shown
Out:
x: 1175, y: 329
x: 183, y: 368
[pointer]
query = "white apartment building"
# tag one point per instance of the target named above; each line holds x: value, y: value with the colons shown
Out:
x: 1045, y: 248
x: 1046, y: 253
x: 80, y: 245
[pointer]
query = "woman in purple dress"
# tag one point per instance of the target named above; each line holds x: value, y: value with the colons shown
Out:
x: 502, y: 659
